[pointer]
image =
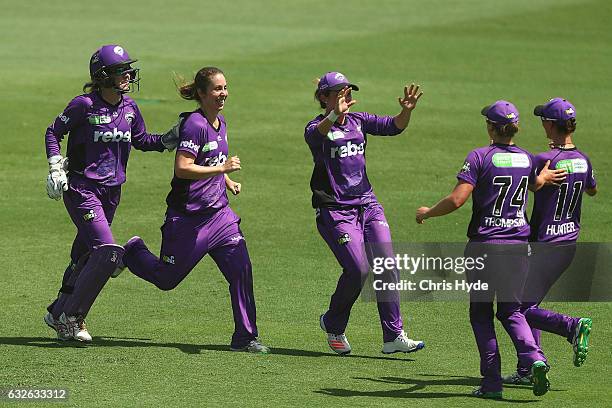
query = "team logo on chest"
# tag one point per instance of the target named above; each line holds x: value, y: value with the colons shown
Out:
x: 129, y: 117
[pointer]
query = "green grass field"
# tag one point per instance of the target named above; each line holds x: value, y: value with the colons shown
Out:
x: 154, y: 348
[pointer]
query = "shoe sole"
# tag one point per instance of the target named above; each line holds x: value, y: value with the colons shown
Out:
x: 539, y: 376
x: 581, y: 348
x: 245, y: 350
x: 420, y: 346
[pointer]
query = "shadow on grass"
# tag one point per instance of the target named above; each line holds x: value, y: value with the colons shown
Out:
x: 415, y: 388
x: 47, y: 342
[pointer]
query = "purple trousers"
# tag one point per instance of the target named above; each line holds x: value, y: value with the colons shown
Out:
x: 346, y: 230
x: 505, y: 271
x: 92, y: 209
x: 546, y: 265
x: 185, y: 241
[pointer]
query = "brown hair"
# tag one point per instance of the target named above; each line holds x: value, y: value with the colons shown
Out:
x: 504, y: 131
x: 565, y: 126
x: 91, y: 86
x: 319, y: 92
x: 189, y: 90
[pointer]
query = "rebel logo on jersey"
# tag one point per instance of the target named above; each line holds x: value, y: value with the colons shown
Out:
x: 114, y: 136
x: 348, y: 150
x: 218, y: 160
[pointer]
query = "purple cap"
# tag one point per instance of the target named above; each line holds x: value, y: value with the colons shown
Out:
x: 502, y: 112
x: 556, y: 109
x: 108, y: 56
x: 335, y: 81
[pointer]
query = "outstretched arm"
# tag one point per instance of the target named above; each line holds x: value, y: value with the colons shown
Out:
x: 448, y: 204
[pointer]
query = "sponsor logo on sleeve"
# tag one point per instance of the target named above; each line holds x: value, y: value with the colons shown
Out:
x: 188, y: 144
x: 465, y: 168
x: 63, y: 118
x: 520, y: 160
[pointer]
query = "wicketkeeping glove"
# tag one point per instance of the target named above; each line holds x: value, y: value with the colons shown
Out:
x: 170, y: 139
x: 57, y: 182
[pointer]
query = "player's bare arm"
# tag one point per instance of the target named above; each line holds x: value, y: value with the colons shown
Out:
x: 448, y: 204
x: 185, y: 167
x: 412, y: 94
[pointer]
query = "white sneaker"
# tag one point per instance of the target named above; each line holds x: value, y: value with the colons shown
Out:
x: 337, y: 342
x: 74, y: 328
x: 121, y: 265
x: 402, y: 344
x: 57, y: 326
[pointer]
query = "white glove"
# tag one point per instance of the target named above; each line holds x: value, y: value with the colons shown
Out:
x: 170, y: 139
x: 57, y: 182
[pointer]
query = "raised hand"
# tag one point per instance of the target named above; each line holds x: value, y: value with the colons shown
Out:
x: 342, y: 106
x: 411, y: 97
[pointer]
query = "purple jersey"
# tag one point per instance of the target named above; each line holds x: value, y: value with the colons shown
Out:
x: 339, y: 176
x: 556, y: 211
x: 209, y: 147
x: 101, y: 137
x: 500, y: 175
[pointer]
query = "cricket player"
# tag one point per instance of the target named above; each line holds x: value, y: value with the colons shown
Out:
x: 199, y: 220
x: 555, y: 222
x: 103, y: 125
x: 498, y: 177
x: 348, y: 214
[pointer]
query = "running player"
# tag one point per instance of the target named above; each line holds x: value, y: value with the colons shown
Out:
x: 555, y: 222
x: 199, y: 220
x: 497, y: 176
x: 103, y: 125
x: 348, y: 213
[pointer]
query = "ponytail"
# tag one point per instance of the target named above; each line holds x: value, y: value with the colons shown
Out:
x: 189, y: 90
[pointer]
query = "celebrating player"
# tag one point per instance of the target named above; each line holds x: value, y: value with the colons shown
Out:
x: 347, y: 211
x: 497, y: 176
x: 555, y: 222
x: 199, y: 220
x: 103, y: 125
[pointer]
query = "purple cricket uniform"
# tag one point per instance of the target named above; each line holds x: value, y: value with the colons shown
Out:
x: 199, y: 221
x: 348, y: 213
x: 100, y: 139
x: 556, y: 210
x: 555, y: 221
x: 500, y: 175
